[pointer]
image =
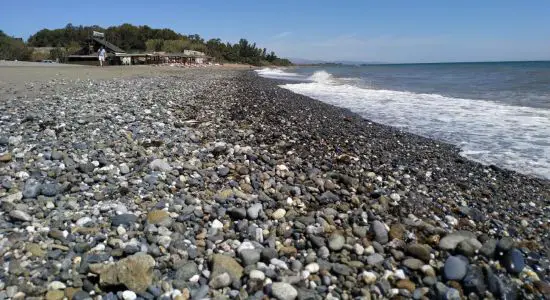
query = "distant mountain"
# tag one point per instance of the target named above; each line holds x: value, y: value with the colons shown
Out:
x: 303, y: 61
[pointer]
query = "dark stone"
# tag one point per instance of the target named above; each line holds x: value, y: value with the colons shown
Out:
x: 86, y: 168
x: 455, y: 267
x: 342, y: 269
x: 317, y: 241
x: 489, y: 248
x: 268, y: 253
x: 81, y: 295
x: 32, y: 188
x: 513, y: 261
x: 474, y: 281
x: 50, y: 189
x: 187, y: 271
x: 237, y: 213
x: 123, y: 219
x: 505, y: 244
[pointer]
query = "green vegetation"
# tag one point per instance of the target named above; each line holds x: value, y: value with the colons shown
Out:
x: 143, y: 38
x: 13, y: 49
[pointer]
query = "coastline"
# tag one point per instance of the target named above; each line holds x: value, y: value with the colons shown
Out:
x: 190, y: 164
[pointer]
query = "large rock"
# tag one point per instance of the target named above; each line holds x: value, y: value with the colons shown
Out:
x: 223, y: 263
x: 135, y: 272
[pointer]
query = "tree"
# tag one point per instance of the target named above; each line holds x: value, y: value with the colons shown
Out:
x: 13, y: 49
x: 154, y: 45
x: 144, y: 38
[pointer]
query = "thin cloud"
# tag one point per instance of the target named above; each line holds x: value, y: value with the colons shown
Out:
x: 282, y: 35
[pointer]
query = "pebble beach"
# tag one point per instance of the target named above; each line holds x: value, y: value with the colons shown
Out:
x: 213, y: 183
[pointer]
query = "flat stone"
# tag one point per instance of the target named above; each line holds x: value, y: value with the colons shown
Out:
x: 223, y: 263
x: 20, y: 216
x: 187, y: 271
x: 283, y: 291
x: 123, y: 219
x: 397, y: 231
x: 375, y: 259
x: 160, y: 165
x: 32, y: 188
x: 15, y: 197
x: 413, y: 263
x: 35, y: 250
x: 55, y: 295
x: 336, y: 241
x: 159, y: 217
x: 406, y: 284
x: 505, y: 244
x: 468, y: 247
x: 380, y: 232
x: 342, y: 269
x: 455, y: 268
x: 220, y: 281
x: 135, y: 272
x: 419, y: 251
x: 86, y: 168
x: 6, y: 157
x: 450, y: 241
x: 250, y: 256
x: 56, y: 285
x: 488, y: 249
x: 81, y: 295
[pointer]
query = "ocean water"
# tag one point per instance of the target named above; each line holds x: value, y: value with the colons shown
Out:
x: 496, y: 113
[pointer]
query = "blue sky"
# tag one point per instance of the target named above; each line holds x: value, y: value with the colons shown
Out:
x: 385, y: 31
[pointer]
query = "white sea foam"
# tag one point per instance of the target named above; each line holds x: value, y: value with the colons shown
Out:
x: 279, y: 74
x: 513, y: 137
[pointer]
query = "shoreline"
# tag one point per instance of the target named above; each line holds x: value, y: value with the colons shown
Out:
x: 232, y: 186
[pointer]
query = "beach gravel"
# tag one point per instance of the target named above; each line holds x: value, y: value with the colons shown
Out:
x: 155, y: 183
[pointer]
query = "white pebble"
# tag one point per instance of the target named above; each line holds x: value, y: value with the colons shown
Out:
x: 400, y: 274
x: 216, y: 224
x: 56, y: 285
x: 129, y: 295
x: 83, y: 221
x: 278, y: 214
x: 312, y: 268
x: 256, y: 274
x: 395, y: 197
x: 369, y: 277
x: 452, y: 221
x: 359, y: 249
x: 121, y: 230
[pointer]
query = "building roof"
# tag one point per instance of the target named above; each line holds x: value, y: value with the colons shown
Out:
x: 108, y: 45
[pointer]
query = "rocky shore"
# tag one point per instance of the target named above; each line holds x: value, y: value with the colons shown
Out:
x: 218, y: 184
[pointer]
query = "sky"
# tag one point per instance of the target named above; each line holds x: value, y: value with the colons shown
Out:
x: 370, y: 31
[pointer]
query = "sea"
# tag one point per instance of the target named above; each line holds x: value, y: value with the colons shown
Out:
x: 497, y: 113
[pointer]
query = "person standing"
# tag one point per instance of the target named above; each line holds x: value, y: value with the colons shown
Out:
x: 101, y: 55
